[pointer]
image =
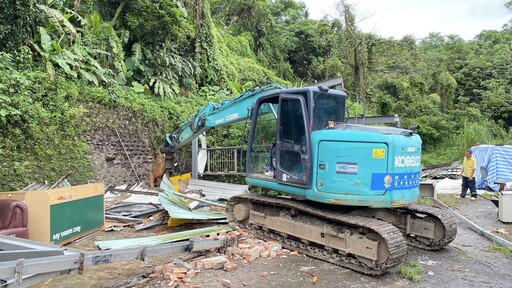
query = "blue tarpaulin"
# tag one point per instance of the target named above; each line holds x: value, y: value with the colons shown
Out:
x: 497, y: 161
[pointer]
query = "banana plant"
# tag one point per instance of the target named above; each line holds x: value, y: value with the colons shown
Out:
x: 52, y: 53
x: 73, y: 49
x: 160, y: 72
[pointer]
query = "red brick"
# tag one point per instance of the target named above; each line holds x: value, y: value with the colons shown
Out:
x: 230, y: 266
x: 166, y: 268
x: 199, y: 265
x: 234, y: 250
x: 170, y: 276
x: 253, y: 253
x: 244, y: 246
x: 314, y: 279
x: 158, y: 270
x: 265, y: 253
x: 191, y: 273
x: 177, y: 270
x: 294, y: 253
x: 214, y: 262
x: 273, y: 246
x: 208, y: 265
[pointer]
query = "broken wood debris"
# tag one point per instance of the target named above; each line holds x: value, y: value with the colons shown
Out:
x: 56, y: 184
x: 159, y: 218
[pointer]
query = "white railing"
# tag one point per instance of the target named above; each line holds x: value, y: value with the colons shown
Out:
x: 225, y: 160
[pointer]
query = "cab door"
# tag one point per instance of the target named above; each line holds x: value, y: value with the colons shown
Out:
x: 292, y: 142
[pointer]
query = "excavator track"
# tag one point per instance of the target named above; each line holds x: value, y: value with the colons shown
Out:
x: 365, y: 245
x: 439, y: 217
x: 423, y: 227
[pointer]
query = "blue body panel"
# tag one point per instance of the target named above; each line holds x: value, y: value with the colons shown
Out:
x: 359, y: 168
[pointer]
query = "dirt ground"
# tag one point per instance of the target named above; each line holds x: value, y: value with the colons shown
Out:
x: 467, y: 262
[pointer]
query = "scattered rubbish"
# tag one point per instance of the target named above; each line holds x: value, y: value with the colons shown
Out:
x: 306, y: 268
x: 426, y: 261
x: 499, y: 231
x: 114, y: 228
x: 154, y: 220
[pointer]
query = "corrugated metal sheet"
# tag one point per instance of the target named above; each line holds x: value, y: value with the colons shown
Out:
x: 178, y: 207
x: 45, y: 186
x: 217, y: 190
x: 146, y: 241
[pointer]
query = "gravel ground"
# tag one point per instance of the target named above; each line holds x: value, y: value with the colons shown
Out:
x: 467, y: 262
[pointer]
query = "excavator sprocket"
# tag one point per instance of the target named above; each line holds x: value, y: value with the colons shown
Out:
x: 423, y: 226
x: 445, y: 224
x: 363, y: 244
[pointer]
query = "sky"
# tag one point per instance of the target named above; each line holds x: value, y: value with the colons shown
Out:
x: 397, y: 18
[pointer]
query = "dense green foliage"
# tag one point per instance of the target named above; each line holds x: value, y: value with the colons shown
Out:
x: 163, y: 59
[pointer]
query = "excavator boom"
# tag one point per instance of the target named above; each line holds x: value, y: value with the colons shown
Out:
x: 215, y: 115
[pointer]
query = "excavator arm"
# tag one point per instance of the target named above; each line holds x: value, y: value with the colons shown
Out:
x: 215, y: 115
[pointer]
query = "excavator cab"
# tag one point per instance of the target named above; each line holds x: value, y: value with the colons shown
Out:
x: 300, y: 145
x: 280, y: 139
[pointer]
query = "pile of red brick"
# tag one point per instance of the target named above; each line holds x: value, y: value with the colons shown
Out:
x: 248, y: 249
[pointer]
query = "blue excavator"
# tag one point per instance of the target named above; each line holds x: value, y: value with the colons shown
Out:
x: 348, y: 190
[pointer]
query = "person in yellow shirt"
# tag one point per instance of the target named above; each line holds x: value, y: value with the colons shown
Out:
x: 468, y: 175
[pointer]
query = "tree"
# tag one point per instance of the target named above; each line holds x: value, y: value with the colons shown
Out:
x: 18, y: 22
x: 208, y: 67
